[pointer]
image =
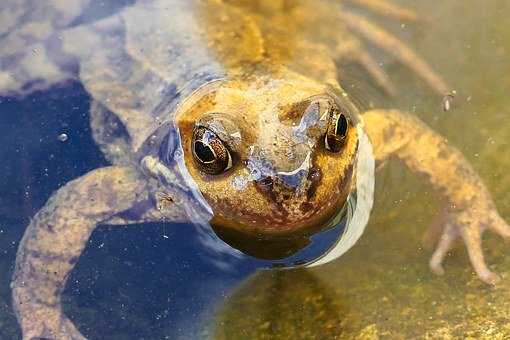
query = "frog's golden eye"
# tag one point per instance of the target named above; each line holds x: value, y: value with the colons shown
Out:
x: 210, y: 153
x: 337, y: 129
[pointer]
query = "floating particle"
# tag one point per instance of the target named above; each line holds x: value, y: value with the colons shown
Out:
x: 62, y: 137
x: 164, y: 201
x: 447, y: 100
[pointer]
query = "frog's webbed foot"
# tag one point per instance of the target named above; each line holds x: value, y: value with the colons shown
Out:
x: 470, y: 209
x: 469, y: 226
x: 392, y: 45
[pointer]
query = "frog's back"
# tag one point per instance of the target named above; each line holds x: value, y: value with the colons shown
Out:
x: 139, y: 73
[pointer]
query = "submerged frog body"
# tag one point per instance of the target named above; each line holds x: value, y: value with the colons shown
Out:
x: 227, y: 114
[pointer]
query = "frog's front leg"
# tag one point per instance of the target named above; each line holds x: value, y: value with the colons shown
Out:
x: 470, y: 209
x: 54, y: 241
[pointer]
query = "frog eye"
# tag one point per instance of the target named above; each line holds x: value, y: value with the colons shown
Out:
x: 210, y: 153
x: 337, y: 129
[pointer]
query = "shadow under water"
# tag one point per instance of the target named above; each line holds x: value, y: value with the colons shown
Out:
x: 281, y: 304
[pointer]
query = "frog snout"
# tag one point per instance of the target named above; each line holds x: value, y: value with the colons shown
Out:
x: 283, y: 180
x: 282, y: 186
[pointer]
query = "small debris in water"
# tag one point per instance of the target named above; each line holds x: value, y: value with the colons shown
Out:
x: 62, y: 137
x: 164, y: 201
x: 447, y: 100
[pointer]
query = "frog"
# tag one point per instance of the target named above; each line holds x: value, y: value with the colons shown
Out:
x: 229, y: 115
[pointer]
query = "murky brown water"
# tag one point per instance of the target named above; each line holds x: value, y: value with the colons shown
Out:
x: 383, y: 288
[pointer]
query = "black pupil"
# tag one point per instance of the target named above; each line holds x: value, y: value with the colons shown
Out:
x: 341, y: 126
x: 204, y: 152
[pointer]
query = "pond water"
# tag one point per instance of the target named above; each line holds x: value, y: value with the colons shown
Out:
x: 153, y: 281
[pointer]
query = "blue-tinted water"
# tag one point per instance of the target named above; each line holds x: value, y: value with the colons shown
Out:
x: 140, y: 281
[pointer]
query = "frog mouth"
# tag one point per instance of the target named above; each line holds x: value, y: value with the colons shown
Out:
x: 277, y: 245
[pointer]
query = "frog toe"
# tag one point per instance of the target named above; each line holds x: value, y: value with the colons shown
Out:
x: 445, y: 244
x: 388, y: 9
x: 435, y: 230
x: 353, y: 50
x: 473, y: 242
x: 394, y: 46
x: 490, y: 278
x: 376, y: 71
x: 60, y: 330
x: 499, y: 226
x: 48, y: 323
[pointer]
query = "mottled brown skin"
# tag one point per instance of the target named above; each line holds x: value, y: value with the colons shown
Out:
x: 269, y: 86
x: 260, y: 115
x: 264, y: 119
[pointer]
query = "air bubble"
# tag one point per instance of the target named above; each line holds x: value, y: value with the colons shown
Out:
x: 447, y: 100
x: 239, y: 182
x: 62, y: 137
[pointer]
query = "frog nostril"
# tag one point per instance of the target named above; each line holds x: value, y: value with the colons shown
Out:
x: 266, y: 182
x: 265, y: 185
x: 315, y: 177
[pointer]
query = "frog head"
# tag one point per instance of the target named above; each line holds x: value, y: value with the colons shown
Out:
x: 272, y: 156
